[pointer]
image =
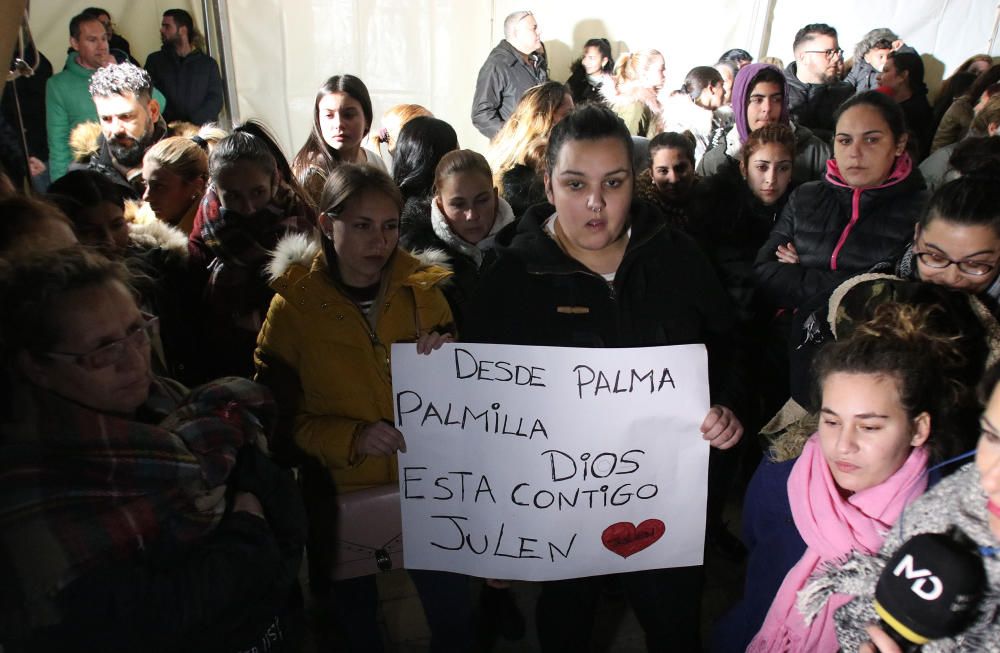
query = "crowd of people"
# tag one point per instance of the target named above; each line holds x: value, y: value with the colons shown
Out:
x: 196, y: 333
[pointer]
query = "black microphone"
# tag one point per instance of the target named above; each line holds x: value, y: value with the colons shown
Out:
x: 930, y: 588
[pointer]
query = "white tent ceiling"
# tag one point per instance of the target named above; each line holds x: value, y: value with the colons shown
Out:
x: 429, y: 51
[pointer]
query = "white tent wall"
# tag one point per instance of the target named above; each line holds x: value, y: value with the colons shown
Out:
x: 138, y: 22
x: 429, y: 51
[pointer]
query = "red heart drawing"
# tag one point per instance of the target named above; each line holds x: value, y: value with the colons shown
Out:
x: 625, y: 539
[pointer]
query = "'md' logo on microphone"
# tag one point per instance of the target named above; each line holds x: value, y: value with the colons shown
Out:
x: 931, y: 586
x: 925, y: 584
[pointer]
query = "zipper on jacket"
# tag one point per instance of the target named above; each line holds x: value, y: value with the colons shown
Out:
x: 855, y: 214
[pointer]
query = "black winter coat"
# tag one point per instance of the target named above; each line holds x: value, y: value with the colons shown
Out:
x: 417, y: 236
x: 731, y: 224
x: 580, y: 86
x: 191, y: 84
x: 814, y: 105
x: 664, y: 293
x: 832, y: 240
x: 503, y: 79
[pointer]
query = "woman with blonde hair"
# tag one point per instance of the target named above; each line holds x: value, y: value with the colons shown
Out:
x: 527, y: 129
x: 393, y: 120
x: 176, y: 174
x: 639, y: 77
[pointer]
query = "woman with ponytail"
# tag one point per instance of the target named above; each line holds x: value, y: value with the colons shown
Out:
x: 639, y: 77
x: 903, y: 77
x: 251, y: 202
x: 692, y: 108
x: 886, y: 394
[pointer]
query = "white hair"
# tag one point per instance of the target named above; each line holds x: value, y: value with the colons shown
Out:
x: 511, y: 21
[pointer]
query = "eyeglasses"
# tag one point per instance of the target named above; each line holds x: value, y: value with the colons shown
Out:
x: 939, y: 262
x: 111, y: 353
x: 835, y: 53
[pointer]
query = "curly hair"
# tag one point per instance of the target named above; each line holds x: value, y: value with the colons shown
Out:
x: 119, y: 79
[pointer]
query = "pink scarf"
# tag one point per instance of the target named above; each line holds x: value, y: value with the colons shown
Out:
x: 832, y: 527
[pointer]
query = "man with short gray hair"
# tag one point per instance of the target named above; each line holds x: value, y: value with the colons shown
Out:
x: 516, y: 64
x: 130, y: 124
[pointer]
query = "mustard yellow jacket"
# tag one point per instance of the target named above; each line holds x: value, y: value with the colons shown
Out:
x: 329, y: 365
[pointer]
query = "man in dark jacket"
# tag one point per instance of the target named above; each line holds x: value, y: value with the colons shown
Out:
x: 130, y: 124
x: 516, y: 64
x: 188, y: 77
x: 814, y: 89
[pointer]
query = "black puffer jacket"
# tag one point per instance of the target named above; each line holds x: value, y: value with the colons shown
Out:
x: 839, y: 231
x: 814, y: 105
x: 503, y: 79
x: 664, y: 293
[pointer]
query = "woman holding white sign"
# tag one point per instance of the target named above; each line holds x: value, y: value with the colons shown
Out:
x: 599, y: 269
x: 342, y: 300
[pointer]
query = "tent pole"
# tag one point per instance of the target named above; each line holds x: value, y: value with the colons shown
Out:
x: 216, y: 14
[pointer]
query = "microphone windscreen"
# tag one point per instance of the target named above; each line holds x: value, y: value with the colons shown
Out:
x: 931, y: 586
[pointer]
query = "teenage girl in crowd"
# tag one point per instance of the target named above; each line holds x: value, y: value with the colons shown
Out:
x: 394, y: 119
x: 733, y: 215
x: 459, y: 223
x: 342, y: 299
x: 593, y: 246
x: 421, y: 144
x: 968, y: 500
x: 670, y: 181
x: 176, y: 174
x: 639, y: 77
x: 591, y: 72
x: 692, y: 108
x: 517, y: 150
x: 251, y: 202
x: 342, y: 117
x: 760, y: 97
x: 884, y: 395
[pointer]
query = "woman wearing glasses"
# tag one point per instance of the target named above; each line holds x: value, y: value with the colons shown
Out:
x: 117, y: 530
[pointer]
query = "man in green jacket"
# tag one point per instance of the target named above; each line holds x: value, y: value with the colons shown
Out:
x: 67, y: 98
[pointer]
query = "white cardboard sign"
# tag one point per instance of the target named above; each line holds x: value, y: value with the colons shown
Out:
x: 543, y: 463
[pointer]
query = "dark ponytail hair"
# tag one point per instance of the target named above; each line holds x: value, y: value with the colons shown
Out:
x: 588, y: 122
x: 604, y: 46
x: 971, y: 200
x: 914, y: 67
x: 698, y: 79
x: 885, y: 105
x: 419, y: 147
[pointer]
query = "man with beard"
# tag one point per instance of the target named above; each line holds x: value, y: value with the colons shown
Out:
x: 815, y: 89
x: 130, y: 123
x: 188, y: 77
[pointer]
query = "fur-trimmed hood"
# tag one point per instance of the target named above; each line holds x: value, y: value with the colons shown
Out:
x: 146, y: 232
x: 629, y: 93
x: 302, y: 249
x: 84, y: 141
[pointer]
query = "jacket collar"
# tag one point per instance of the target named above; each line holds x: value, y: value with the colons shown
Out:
x: 505, y: 216
x: 542, y: 255
x: 901, y: 170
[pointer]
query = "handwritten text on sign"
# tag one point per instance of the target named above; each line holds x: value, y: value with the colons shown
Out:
x: 541, y: 463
